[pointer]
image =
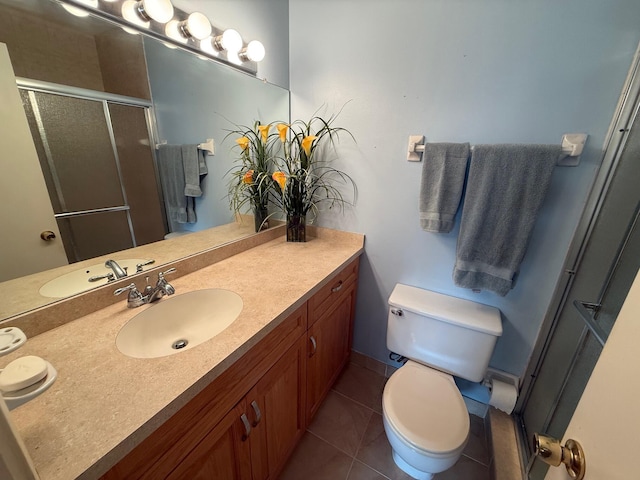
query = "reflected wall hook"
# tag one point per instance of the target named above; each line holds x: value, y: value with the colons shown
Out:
x: 550, y: 451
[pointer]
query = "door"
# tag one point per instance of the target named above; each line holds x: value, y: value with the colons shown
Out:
x: 224, y: 454
x: 328, y: 347
x: 276, y: 408
x: 606, y: 420
x: 600, y: 282
x: 30, y: 212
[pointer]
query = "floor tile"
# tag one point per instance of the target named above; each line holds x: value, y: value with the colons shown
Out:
x: 359, y: 471
x: 341, y: 422
x: 368, y: 362
x: 315, y: 459
x: 375, y: 451
x: 477, y: 446
x: 361, y: 385
x: 465, y: 469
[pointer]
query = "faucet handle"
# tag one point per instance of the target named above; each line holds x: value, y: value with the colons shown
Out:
x: 162, y: 274
x: 135, y: 298
x: 131, y: 286
x: 143, y: 264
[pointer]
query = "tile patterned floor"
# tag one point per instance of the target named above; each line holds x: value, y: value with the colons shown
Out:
x: 346, y: 440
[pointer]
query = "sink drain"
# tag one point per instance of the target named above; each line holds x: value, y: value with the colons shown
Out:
x: 178, y: 344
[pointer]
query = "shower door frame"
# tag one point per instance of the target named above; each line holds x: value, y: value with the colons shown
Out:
x: 105, y: 98
x: 627, y: 109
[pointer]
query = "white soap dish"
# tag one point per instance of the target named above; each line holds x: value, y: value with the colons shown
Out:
x: 11, y: 338
x: 24, y: 379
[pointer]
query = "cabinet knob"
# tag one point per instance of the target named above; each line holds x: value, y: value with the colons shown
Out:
x: 314, y: 345
x: 247, y: 427
x: 338, y: 287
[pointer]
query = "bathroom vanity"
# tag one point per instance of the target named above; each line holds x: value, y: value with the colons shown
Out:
x: 232, y: 407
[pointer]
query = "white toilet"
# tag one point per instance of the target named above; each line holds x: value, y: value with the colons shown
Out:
x: 425, y: 417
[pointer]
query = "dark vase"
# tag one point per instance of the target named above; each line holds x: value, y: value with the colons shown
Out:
x: 260, y: 215
x: 296, y: 228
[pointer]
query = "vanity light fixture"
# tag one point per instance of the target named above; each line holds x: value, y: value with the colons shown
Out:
x: 206, y: 45
x: 79, y: 12
x: 230, y: 40
x: 172, y: 30
x: 146, y: 10
x: 196, y: 25
x: 175, y: 28
x: 254, y: 51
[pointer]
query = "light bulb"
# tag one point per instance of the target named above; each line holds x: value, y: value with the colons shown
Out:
x: 230, y: 40
x: 78, y: 12
x: 131, y: 14
x: 254, y: 51
x: 206, y: 45
x: 172, y: 30
x: 159, y: 10
x: 196, y: 25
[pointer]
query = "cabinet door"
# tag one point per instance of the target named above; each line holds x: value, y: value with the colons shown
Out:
x: 224, y: 454
x: 329, y: 341
x: 277, y: 407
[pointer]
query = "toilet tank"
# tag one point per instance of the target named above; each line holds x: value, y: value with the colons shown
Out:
x: 450, y: 334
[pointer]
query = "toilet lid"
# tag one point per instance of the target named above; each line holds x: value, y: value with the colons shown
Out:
x: 425, y: 407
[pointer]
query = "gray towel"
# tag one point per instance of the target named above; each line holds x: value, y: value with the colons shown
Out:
x: 443, y: 172
x: 194, y: 169
x: 172, y: 181
x: 506, y: 186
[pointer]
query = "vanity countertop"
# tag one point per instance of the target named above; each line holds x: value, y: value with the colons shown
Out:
x: 103, y: 403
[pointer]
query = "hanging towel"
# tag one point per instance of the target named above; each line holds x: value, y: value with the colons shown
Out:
x: 172, y: 181
x: 506, y: 186
x: 195, y: 169
x: 443, y: 171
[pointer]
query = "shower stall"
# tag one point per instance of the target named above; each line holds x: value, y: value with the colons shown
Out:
x: 97, y: 157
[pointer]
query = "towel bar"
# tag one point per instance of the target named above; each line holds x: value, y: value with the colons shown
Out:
x: 208, y: 146
x: 572, y: 147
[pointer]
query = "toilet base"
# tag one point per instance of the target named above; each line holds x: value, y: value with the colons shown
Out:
x: 414, y: 472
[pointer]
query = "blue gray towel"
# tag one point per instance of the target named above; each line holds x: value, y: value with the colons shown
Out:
x: 172, y: 181
x: 193, y: 163
x: 443, y: 171
x: 506, y: 186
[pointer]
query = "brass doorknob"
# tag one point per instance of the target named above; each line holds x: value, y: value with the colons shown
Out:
x: 47, y: 235
x: 550, y: 451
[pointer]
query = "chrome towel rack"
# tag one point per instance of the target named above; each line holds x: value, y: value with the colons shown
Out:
x: 572, y: 147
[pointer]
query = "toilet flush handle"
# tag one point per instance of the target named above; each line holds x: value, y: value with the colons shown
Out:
x: 397, y: 312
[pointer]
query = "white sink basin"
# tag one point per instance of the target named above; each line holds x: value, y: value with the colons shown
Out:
x: 78, y: 280
x: 179, y: 323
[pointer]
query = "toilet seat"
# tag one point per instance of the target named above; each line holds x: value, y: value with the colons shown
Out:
x: 426, y: 410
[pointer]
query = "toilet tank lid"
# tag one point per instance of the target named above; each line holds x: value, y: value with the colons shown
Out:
x: 457, y: 311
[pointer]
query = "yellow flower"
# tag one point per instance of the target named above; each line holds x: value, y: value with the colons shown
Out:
x: 307, y: 142
x: 248, y: 177
x: 264, y: 131
x: 243, y: 142
x: 282, y: 131
x: 281, y: 178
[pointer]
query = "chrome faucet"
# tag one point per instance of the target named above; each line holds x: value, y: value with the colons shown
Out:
x: 150, y: 294
x: 117, y: 269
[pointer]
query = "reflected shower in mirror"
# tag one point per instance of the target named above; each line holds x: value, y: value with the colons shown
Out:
x: 85, y: 89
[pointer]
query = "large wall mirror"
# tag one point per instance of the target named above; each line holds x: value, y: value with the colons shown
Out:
x: 98, y: 101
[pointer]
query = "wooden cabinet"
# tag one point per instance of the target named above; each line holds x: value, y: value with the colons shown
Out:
x: 329, y: 344
x: 224, y: 452
x: 247, y: 422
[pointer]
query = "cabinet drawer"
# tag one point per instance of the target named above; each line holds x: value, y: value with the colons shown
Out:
x: 333, y: 291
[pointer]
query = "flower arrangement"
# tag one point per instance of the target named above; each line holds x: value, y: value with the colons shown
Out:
x: 292, y: 169
x: 251, y: 182
x: 305, y: 177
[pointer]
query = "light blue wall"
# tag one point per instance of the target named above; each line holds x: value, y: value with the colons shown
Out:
x: 194, y: 100
x: 482, y: 71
